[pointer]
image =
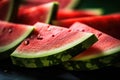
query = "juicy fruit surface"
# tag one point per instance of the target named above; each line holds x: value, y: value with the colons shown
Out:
x: 28, y: 15
x: 105, y: 42
x: 51, y: 42
x: 10, y: 32
x: 47, y: 37
x: 6, y: 8
x: 103, y: 53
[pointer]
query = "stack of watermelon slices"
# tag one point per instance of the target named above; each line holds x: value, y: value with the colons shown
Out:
x: 45, y: 41
x: 50, y: 45
x: 44, y: 34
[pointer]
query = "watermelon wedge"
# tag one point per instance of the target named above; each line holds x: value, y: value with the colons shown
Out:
x: 64, y: 4
x: 42, y: 13
x: 67, y: 14
x: 104, y: 23
x: 9, y: 9
x: 11, y: 35
x: 6, y: 9
x: 50, y: 45
x: 105, y: 52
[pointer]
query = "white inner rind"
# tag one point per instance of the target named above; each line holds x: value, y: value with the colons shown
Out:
x: 104, y: 53
x: 52, y: 51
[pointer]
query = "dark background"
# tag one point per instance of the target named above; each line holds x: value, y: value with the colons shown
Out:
x: 109, y: 6
x: 11, y: 72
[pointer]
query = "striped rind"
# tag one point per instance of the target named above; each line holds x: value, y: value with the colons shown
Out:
x: 107, y: 58
x: 35, y: 61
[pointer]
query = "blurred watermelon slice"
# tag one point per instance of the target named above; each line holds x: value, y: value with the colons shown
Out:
x: 8, y: 9
x: 11, y: 35
x: 41, y: 13
x: 105, y: 52
x: 63, y: 3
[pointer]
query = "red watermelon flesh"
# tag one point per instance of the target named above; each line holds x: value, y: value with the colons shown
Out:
x: 109, y: 24
x: 105, y: 43
x: 47, y: 37
x: 42, y: 13
x: 66, y: 14
x: 4, y: 6
x: 12, y: 34
x: 63, y: 3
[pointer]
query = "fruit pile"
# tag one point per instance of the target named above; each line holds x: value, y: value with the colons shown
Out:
x: 36, y: 34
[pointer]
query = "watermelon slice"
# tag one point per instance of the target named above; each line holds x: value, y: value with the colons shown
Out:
x: 6, y: 8
x: 42, y: 13
x: 64, y: 4
x: 50, y: 45
x: 66, y: 14
x: 11, y: 35
x: 103, y: 23
x: 9, y: 9
x: 105, y: 52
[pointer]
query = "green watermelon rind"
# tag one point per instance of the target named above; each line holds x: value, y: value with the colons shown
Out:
x: 9, y: 10
x: 57, y: 56
x: 52, y: 13
x: 73, y: 4
x: 17, y: 41
x: 54, y: 51
x: 93, y: 62
x: 13, y: 9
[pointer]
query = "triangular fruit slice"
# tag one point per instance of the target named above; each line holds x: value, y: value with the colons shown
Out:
x: 42, y: 13
x: 105, y: 52
x: 11, y: 35
x: 50, y: 45
x: 104, y: 23
x: 6, y: 9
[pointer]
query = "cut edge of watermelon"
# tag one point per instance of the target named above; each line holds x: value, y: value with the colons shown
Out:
x: 90, y: 63
x: 57, y: 50
x: 53, y: 11
x: 105, y: 53
x: 17, y: 41
x: 10, y: 10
